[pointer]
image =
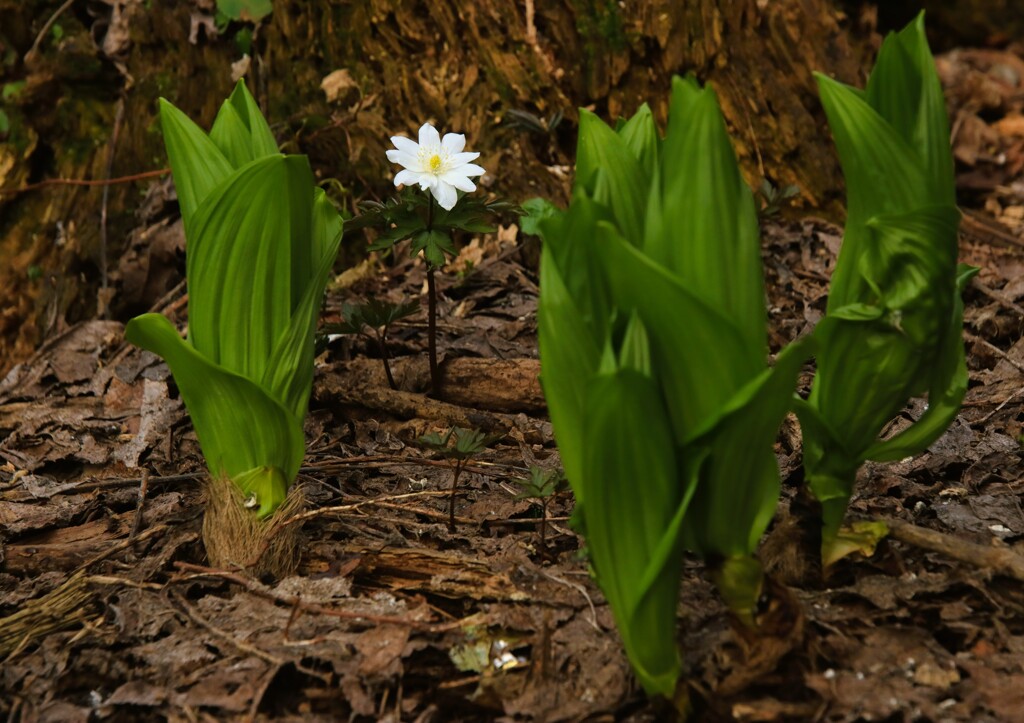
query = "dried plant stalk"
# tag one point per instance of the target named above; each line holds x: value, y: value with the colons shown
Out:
x: 236, y: 539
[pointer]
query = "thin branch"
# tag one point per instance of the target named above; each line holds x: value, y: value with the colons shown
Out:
x: 80, y: 182
x: 46, y: 28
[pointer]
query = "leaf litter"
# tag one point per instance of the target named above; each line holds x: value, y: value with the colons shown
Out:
x: 395, y: 617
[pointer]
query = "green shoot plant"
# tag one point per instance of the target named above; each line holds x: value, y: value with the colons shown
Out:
x: 893, y: 324
x: 773, y: 197
x: 261, y: 240
x: 378, y: 316
x: 653, y: 346
x: 543, y: 485
x: 458, y: 446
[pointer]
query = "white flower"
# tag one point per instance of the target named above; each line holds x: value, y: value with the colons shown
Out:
x: 435, y: 163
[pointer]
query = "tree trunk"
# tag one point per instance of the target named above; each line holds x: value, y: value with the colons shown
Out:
x: 463, y: 65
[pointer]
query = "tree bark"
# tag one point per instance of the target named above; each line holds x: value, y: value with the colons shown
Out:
x: 464, y: 66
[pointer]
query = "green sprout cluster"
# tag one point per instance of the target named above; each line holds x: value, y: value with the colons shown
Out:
x: 653, y: 338
x: 652, y: 325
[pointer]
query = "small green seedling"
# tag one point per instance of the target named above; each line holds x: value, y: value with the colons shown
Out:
x: 378, y: 316
x: 467, y: 444
x: 772, y: 197
x: 543, y: 485
x: 524, y: 120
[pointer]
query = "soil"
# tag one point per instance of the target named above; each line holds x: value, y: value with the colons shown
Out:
x: 109, y: 611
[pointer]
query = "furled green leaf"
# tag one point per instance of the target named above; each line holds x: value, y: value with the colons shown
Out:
x: 738, y: 486
x: 626, y: 527
x: 240, y: 427
x: 569, y: 236
x: 893, y: 325
x: 231, y: 136
x: 700, y: 363
x: 612, y: 174
x: 240, y: 130
x: 568, y: 358
x: 261, y: 243
x: 641, y: 137
x: 904, y: 88
x: 197, y: 164
x: 709, y: 236
x: 241, y: 265
x: 289, y: 374
x: 946, y: 390
x: 261, y: 139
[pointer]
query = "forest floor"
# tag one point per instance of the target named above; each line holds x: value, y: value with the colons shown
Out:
x: 108, y: 610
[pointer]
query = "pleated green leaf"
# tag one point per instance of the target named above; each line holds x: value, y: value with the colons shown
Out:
x: 612, y: 174
x: 739, y: 479
x: 261, y: 241
x: 709, y: 232
x: 240, y: 427
x: 946, y: 390
x: 904, y: 88
x: 231, y: 135
x: 569, y: 236
x: 197, y: 164
x: 893, y: 325
x: 640, y: 135
x: 652, y: 329
x: 568, y: 358
x: 289, y: 374
x: 699, y: 356
x: 626, y: 526
x: 261, y: 139
x: 241, y: 265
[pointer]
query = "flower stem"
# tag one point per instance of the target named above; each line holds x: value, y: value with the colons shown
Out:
x: 382, y: 343
x: 435, y: 375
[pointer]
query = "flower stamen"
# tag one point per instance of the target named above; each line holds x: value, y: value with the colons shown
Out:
x: 435, y: 163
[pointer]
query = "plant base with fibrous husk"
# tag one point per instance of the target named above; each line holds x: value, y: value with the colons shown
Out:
x: 235, y: 538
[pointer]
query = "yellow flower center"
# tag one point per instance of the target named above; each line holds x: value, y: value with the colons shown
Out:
x: 435, y: 163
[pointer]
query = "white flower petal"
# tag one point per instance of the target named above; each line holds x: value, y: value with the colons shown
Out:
x: 445, y: 195
x: 459, y: 180
x: 426, y: 181
x: 406, y: 145
x: 405, y: 159
x: 406, y: 177
x: 453, y: 143
x: 459, y: 159
x: 470, y: 169
x: 429, y: 137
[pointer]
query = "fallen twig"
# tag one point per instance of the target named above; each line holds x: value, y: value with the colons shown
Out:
x: 1000, y: 560
x: 295, y: 601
